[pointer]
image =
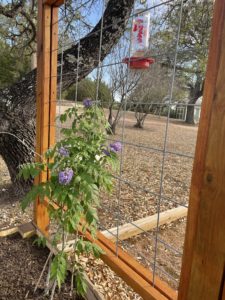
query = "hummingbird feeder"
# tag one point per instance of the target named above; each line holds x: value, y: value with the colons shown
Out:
x: 140, y: 39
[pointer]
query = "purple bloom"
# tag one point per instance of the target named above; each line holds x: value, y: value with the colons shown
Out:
x: 65, y: 177
x: 87, y: 103
x: 106, y: 152
x: 63, y: 151
x: 115, y: 147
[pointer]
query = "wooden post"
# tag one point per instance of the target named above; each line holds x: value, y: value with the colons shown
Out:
x: 46, y: 94
x: 203, y: 266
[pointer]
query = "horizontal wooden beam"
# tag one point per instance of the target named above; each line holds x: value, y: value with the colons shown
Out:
x: 27, y: 230
x: 8, y: 231
x: 122, y: 259
x: 119, y: 260
x: 132, y: 278
x: 131, y: 271
x: 54, y: 2
x: 129, y: 230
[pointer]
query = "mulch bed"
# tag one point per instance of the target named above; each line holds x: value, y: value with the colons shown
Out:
x: 21, y: 263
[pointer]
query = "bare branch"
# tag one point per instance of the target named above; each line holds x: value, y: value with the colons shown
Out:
x: 11, y: 10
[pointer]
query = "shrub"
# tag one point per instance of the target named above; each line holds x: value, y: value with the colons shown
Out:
x: 80, y: 166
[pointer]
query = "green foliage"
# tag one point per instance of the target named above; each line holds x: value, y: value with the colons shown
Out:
x: 192, y: 54
x: 87, y: 89
x: 40, y: 241
x: 12, y: 65
x: 80, y: 282
x: 80, y: 169
x: 194, y: 34
x: 59, y: 268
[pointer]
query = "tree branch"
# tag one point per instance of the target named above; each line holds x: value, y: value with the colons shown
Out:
x: 11, y: 10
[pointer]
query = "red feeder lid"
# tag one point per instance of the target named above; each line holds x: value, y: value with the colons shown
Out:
x: 136, y: 62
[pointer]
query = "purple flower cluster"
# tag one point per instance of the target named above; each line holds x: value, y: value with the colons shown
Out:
x: 87, y: 103
x: 65, y: 177
x: 63, y: 151
x: 115, y: 147
x: 106, y: 152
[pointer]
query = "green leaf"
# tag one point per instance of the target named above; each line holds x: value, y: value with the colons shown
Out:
x: 77, y: 179
x: 63, y: 118
x: 91, y: 215
x: 50, y: 153
x: 80, y: 246
x: 40, y: 241
x: 30, y: 197
x: 81, y: 285
x: 58, y: 268
x: 97, y: 251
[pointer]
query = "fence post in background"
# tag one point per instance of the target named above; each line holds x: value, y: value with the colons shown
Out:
x: 203, y: 267
x: 47, y: 41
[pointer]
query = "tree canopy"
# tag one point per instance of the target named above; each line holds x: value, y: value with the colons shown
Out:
x: 12, y: 67
x: 87, y: 89
x: 193, y: 44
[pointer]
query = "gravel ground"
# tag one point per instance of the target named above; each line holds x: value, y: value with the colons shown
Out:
x: 140, y: 186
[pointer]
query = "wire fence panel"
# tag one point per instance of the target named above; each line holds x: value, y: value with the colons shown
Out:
x: 147, y: 111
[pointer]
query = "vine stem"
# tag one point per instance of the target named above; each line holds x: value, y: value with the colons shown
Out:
x: 73, y: 269
x: 42, y: 272
x: 47, y: 288
x: 53, y: 290
x: 72, y: 282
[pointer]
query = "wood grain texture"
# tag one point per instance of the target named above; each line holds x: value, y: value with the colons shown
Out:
x: 129, y: 230
x: 27, y: 230
x: 55, y: 3
x: 8, y: 231
x: 204, y: 252
x: 223, y: 292
x: 46, y: 96
x: 43, y: 72
x: 53, y: 72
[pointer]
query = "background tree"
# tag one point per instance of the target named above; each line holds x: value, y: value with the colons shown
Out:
x: 122, y: 83
x: 87, y: 89
x: 19, y: 21
x: 151, y: 94
x: 193, y: 46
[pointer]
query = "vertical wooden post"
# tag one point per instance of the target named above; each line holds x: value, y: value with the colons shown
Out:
x: 46, y: 95
x: 203, y: 266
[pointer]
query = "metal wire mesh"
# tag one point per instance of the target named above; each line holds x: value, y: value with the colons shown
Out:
x: 155, y: 162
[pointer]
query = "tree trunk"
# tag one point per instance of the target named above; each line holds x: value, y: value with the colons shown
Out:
x: 17, y: 103
x: 112, y: 128
x: 190, y: 114
x: 139, y: 124
x: 140, y: 115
